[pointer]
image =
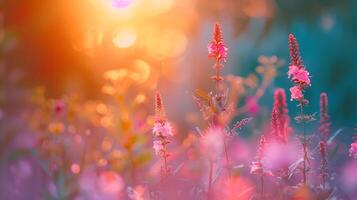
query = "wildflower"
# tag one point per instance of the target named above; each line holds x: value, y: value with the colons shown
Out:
x: 280, y: 119
x: 353, y: 148
x: 324, y: 128
x: 158, y: 147
x: 75, y: 168
x: 297, y: 72
x: 299, y: 75
x: 257, y: 165
x: 162, y: 130
x: 212, y: 141
x: 217, y: 48
x: 295, y: 57
x: 296, y: 93
x: 136, y: 193
x: 252, y: 105
x: 110, y: 182
x: 58, y: 106
x: 160, y: 115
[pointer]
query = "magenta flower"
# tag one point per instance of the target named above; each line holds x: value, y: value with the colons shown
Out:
x: 217, y: 48
x: 212, y: 142
x: 353, y: 150
x: 252, y: 105
x: 297, y: 71
x: 296, y: 93
x: 257, y: 167
x: 325, y: 124
x: 280, y: 121
x: 162, y: 129
x: 158, y: 147
x: 299, y: 75
x: 58, y: 106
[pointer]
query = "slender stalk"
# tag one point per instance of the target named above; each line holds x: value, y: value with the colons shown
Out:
x: 217, y: 66
x: 227, y: 157
x: 164, y: 157
x: 304, y: 144
x: 210, y: 179
x: 262, y: 185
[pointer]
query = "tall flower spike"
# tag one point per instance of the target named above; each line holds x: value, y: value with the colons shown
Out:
x: 257, y: 165
x: 217, y: 48
x: 325, y: 124
x: 295, y: 57
x: 280, y: 118
x: 162, y: 131
x: 160, y: 115
x: 297, y: 72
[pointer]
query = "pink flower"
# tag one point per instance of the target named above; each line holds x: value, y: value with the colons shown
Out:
x: 158, y: 147
x: 299, y: 75
x: 110, y: 182
x: 218, y: 51
x: 295, y: 56
x: 217, y: 48
x: 280, y: 121
x: 296, y: 93
x: 162, y: 129
x: 58, y: 106
x: 353, y: 150
x: 212, y: 142
x: 258, y: 169
x: 325, y: 124
x: 252, y: 105
x: 293, y: 69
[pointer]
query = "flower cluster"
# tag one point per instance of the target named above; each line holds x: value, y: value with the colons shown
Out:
x: 257, y: 165
x: 162, y: 130
x: 325, y: 124
x: 280, y: 121
x: 217, y: 49
x: 297, y: 72
x: 353, y: 147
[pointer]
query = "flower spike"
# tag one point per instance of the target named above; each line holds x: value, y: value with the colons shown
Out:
x: 295, y: 57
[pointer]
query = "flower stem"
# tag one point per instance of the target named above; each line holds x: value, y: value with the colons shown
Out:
x: 262, y: 185
x: 210, y: 179
x: 227, y: 158
x: 304, y: 144
x: 165, y: 160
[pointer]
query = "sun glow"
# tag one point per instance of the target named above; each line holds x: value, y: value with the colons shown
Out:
x: 124, y: 38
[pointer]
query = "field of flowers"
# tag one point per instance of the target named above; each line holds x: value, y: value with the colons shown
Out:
x: 134, y: 140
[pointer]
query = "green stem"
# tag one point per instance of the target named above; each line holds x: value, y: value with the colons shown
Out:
x: 304, y: 143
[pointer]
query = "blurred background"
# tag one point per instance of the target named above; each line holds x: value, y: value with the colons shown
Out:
x: 67, y: 45
x: 139, y: 46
